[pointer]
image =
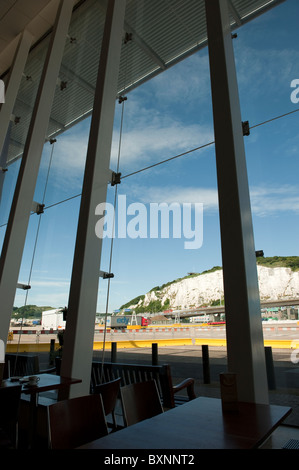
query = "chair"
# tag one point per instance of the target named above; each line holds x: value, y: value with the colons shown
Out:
x: 23, y: 364
x: 76, y: 421
x: 140, y: 401
x: 9, y: 415
x: 109, y: 392
x: 132, y: 373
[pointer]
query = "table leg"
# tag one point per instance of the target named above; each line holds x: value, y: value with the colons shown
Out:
x: 33, y: 419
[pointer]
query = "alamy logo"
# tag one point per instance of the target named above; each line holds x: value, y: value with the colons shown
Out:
x: 154, y: 220
x: 295, y: 93
x: 295, y: 352
x: 2, y: 92
x: 2, y: 351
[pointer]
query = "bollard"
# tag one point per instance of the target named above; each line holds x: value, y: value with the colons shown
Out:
x: 206, y: 364
x: 270, y: 368
x: 113, y: 351
x: 52, y: 352
x: 154, y: 354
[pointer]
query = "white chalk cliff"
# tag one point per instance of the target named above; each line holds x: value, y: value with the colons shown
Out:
x: 276, y: 283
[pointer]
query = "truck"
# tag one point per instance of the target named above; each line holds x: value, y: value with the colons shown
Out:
x: 53, y: 319
x: 122, y: 321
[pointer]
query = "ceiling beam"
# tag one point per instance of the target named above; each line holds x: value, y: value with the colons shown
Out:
x: 144, y: 46
x: 234, y: 13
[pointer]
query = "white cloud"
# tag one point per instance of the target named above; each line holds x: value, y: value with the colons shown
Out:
x: 265, y: 200
x: 57, y: 283
x: 271, y: 201
x: 171, y: 85
x: 148, y: 136
x: 70, y: 152
x: 206, y: 196
x: 159, y: 140
x: 263, y: 71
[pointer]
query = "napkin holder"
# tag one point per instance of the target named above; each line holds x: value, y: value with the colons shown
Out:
x: 229, y: 392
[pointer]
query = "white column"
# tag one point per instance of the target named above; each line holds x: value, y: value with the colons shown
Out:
x: 15, y: 236
x: 11, y: 91
x: 245, y: 347
x: 79, y: 333
x: 13, y: 83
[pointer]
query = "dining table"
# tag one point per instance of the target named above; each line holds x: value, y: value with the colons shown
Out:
x: 199, y: 424
x: 44, y: 383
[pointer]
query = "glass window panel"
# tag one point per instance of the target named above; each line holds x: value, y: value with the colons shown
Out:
x: 164, y: 119
x: 266, y: 58
x: 49, y: 249
x: 18, y: 128
x: 166, y: 156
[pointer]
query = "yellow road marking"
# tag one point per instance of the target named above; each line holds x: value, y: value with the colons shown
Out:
x: 98, y: 345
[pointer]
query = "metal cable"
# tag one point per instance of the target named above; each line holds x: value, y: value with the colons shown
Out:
x: 167, y: 160
x: 122, y: 101
x: 34, y: 250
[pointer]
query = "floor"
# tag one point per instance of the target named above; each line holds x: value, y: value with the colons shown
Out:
x: 282, y: 436
x: 185, y: 362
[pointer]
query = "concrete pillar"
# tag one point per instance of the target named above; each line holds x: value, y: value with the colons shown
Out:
x: 79, y: 333
x: 11, y: 91
x: 15, y: 236
x: 245, y: 348
x: 13, y: 83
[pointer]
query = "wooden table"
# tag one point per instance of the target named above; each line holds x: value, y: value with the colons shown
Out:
x: 199, y: 424
x: 48, y: 382
x: 45, y: 383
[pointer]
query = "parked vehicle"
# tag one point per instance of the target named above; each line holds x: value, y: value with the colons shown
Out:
x: 122, y: 321
x: 53, y: 319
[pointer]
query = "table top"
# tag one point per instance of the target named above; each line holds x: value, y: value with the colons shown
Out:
x: 45, y: 383
x: 199, y: 424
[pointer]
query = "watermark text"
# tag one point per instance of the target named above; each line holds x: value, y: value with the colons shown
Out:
x: 155, y: 220
x: 295, y: 352
x: 2, y: 92
x: 2, y: 351
x: 295, y: 92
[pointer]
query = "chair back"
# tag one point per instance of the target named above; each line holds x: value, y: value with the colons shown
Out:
x: 20, y: 365
x: 76, y: 421
x: 140, y: 401
x: 109, y: 392
x: 9, y: 415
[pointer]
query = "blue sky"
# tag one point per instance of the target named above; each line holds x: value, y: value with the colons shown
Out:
x: 169, y: 115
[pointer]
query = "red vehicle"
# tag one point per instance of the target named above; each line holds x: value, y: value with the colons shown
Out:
x: 122, y: 321
x: 145, y: 321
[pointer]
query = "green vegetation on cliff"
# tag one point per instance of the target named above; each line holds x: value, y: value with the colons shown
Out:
x: 133, y: 302
x: 291, y: 262
x: 159, y: 288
